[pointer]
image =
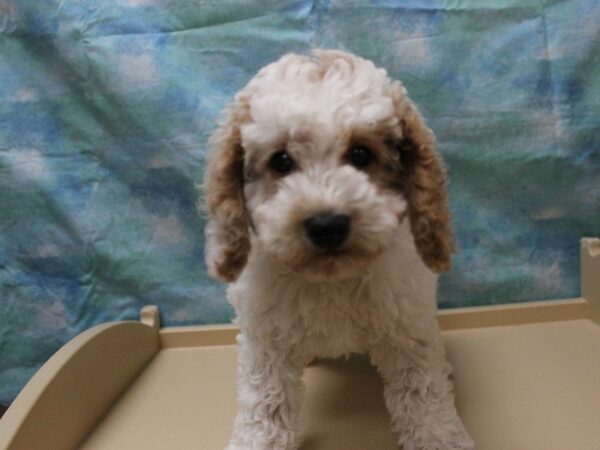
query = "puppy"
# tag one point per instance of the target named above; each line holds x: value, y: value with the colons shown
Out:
x: 328, y: 216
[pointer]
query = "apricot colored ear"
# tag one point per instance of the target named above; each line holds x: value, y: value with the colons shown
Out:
x: 426, y: 188
x: 227, y: 234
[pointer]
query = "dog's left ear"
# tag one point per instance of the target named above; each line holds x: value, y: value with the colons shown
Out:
x: 227, y: 236
x: 425, y: 187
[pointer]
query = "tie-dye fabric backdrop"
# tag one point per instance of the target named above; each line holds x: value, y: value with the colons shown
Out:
x: 106, y: 106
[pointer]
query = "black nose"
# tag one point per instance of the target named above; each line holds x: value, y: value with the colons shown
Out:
x: 327, y: 230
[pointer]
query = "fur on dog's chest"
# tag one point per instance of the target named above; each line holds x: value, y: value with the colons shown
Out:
x: 333, y: 327
x: 309, y: 319
x: 317, y: 319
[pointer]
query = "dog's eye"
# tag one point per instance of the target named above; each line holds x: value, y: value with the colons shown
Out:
x: 281, y: 162
x: 360, y: 156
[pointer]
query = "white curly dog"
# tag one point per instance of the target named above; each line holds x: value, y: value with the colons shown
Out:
x: 328, y: 216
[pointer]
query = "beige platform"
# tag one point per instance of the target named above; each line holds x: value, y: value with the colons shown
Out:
x: 527, y: 378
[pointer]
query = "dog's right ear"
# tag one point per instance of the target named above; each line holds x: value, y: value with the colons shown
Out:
x: 227, y: 241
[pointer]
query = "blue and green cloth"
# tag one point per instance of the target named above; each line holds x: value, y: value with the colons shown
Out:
x: 106, y: 107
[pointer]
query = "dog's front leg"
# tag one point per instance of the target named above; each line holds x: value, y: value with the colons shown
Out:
x: 419, y: 393
x: 269, y: 398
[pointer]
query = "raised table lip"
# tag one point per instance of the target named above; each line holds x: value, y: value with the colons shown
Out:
x: 449, y: 319
x: 53, y: 371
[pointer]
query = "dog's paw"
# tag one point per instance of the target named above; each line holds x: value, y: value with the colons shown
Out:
x: 458, y: 438
x: 460, y: 442
x: 257, y: 440
x: 443, y: 438
x: 257, y: 447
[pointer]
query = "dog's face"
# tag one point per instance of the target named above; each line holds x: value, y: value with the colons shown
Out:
x: 323, y: 158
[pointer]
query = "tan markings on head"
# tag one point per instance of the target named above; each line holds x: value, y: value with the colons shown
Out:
x: 301, y: 143
x: 228, y: 242
x: 386, y: 171
x: 260, y: 181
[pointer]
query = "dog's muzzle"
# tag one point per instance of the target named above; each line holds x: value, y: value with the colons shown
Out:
x: 327, y: 231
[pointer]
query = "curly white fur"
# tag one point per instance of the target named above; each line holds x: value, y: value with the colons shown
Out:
x: 286, y: 93
x: 295, y: 304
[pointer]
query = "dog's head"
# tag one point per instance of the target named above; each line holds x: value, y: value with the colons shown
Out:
x: 323, y: 157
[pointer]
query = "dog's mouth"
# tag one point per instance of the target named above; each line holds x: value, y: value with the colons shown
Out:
x: 343, y: 262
